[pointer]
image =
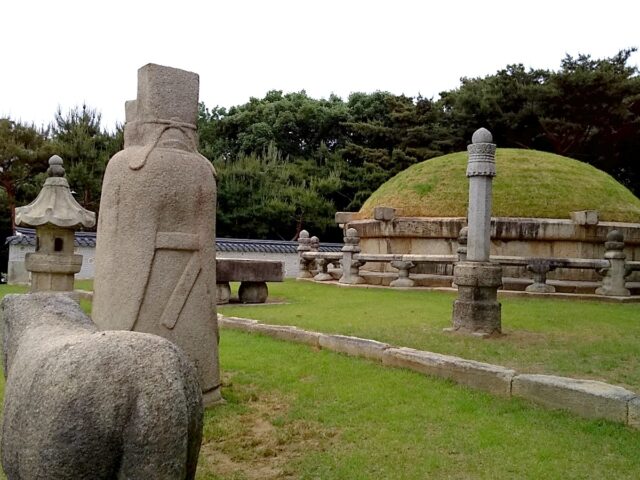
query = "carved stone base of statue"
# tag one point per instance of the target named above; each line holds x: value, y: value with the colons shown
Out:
x: 477, y: 310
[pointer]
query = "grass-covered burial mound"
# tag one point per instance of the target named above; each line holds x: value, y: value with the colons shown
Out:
x: 529, y: 184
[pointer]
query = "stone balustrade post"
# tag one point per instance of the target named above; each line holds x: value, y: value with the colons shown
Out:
x: 403, y: 279
x: 613, y: 283
x: 351, y: 267
x: 315, y: 247
x: 304, y: 245
x: 477, y: 310
x: 461, y: 250
x: 462, y: 244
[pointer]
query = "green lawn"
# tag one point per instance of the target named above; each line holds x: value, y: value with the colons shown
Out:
x: 294, y: 412
x: 582, y: 339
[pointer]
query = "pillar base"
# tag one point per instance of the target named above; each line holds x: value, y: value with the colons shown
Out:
x: 477, y: 310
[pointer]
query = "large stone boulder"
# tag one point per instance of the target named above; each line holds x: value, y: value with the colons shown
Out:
x: 83, y: 403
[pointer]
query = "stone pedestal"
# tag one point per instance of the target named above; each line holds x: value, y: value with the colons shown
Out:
x: 52, y: 273
x: 477, y: 309
x: 323, y: 275
x: 540, y: 270
x: 403, y: 280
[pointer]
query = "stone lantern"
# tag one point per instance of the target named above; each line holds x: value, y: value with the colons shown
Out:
x: 55, y: 215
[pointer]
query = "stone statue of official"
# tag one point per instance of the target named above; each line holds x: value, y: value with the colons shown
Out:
x: 155, y: 253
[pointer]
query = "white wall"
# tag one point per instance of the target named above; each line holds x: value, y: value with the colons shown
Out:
x: 18, y: 274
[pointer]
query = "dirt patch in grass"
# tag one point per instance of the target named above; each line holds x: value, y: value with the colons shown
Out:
x: 260, y: 440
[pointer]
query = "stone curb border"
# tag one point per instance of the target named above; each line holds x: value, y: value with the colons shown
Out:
x: 586, y: 398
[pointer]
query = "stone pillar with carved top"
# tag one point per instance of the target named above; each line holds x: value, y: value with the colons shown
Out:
x: 155, y: 252
x: 351, y: 267
x: 613, y: 283
x: 476, y: 310
x: 304, y: 246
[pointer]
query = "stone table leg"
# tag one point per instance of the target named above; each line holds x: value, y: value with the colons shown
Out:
x: 223, y: 293
x: 253, y: 292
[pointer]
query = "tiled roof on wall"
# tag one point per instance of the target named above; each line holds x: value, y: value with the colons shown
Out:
x: 26, y: 236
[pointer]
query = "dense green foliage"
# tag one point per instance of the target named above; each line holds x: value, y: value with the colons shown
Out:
x: 529, y: 184
x: 588, y: 110
x: 288, y: 161
x: 339, y: 152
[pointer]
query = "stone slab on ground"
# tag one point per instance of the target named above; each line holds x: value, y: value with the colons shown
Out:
x: 282, y: 332
x: 290, y: 333
x: 245, y: 270
x: 587, y: 398
x: 360, y: 347
x: 634, y: 413
x: 483, y: 376
x: 236, y: 323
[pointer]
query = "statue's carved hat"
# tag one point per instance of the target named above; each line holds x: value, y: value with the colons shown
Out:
x: 165, y: 93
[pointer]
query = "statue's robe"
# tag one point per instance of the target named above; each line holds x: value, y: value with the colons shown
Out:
x: 155, y: 253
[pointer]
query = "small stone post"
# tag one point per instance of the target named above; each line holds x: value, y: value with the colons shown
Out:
x: 351, y: 267
x: 314, y: 243
x: 462, y: 244
x: 613, y: 283
x: 477, y: 310
x: 304, y: 245
x: 55, y: 214
x: 462, y: 249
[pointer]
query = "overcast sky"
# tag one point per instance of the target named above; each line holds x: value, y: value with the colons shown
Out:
x: 67, y: 52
